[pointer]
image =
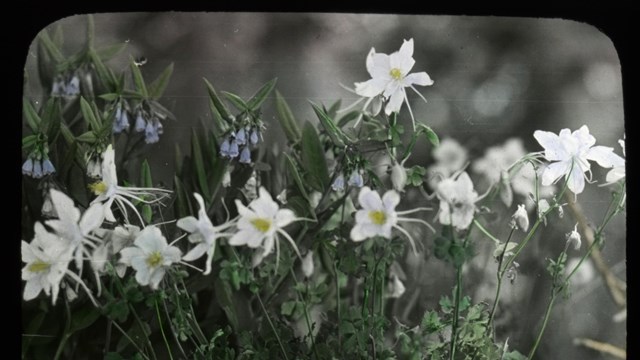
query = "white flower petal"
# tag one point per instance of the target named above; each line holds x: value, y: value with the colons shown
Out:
x: 151, y: 239
x: 402, y: 62
x: 604, y: 156
x: 390, y: 200
x: 395, y: 102
x: 369, y: 199
x: 284, y: 217
x: 109, y: 175
x: 171, y: 255
x: 554, y: 171
x: 615, y: 174
x: 31, y: 289
x: 372, y: 87
x: 357, y: 233
x: 576, y: 180
x: 64, y: 206
x: 189, y: 224
x: 552, y: 145
x: 421, y: 78
x: 91, y: 219
x: 156, y: 277
x: 379, y: 66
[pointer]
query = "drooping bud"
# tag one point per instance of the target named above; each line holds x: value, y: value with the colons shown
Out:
x: 573, y: 238
x: 521, y: 218
x: 398, y: 177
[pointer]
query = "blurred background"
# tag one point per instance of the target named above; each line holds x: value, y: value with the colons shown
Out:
x: 495, y: 78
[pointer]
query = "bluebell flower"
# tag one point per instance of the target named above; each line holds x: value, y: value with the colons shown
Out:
x: 151, y: 133
x: 121, y: 120
x: 254, y: 136
x: 27, y: 167
x: 73, y: 87
x: 241, y: 137
x: 356, y: 179
x: 58, y: 87
x: 233, y: 149
x: 47, y: 167
x: 141, y: 123
x: 245, y: 156
x: 338, y: 183
x: 224, y: 148
x: 37, y: 170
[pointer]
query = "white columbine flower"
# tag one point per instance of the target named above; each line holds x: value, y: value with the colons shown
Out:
x: 378, y: 216
x: 618, y: 172
x: 260, y: 224
x: 109, y: 192
x: 203, y: 234
x: 390, y: 76
x: 75, y: 230
x: 150, y: 256
x: 450, y: 157
x: 457, y: 201
x: 570, y: 154
x: 47, y: 258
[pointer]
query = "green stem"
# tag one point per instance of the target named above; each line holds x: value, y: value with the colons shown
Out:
x: 124, y: 333
x: 456, y: 310
x: 306, y: 312
x: 164, y: 337
x: 65, y: 337
x: 335, y: 270
x: 544, y: 325
x: 500, y: 276
x: 273, y: 328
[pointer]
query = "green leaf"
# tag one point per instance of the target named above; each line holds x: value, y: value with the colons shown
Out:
x: 147, y: 213
x: 196, y: 154
x: 138, y: 80
x: 88, y: 115
x: 295, y: 175
x: 88, y: 137
x: 286, y: 119
x: 83, y: 318
x: 313, y: 158
x: 32, y: 329
x: 181, y: 204
x: 107, y: 52
x: 31, y: 115
x: 157, y: 87
x: 224, y: 297
x: 109, y: 96
x: 51, y: 48
x: 326, y: 259
x: 431, y: 135
x: 29, y: 140
x: 338, y: 137
x: 219, y: 105
x: 145, y: 175
x: 288, y: 307
x: 261, y: 95
x: 236, y: 101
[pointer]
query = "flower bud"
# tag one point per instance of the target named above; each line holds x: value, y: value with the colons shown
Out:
x: 521, y: 218
x: 307, y: 264
x: 398, y: 177
x: 574, y: 238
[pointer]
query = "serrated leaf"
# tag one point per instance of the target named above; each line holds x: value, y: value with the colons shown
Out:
x: 196, y: 155
x: 33, y: 120
x: 292, y: 170
x: 236, y: 101
x: 219, y: 105
x: 286, y: 119
x: 261, y: 95
x: 138, y: 80
x: 313, y: 158
x: 157, y: 87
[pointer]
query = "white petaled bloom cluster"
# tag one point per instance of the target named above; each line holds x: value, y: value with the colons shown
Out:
x: 109, y: 192
x: 496, y: 164
x: 150, y: 256
x: 618, y: 172
x: 569, y: 154
x: 378, y: 216
x: 203, y: 234
x: 390, y: 76
x: 259, y: 225
x: 449, y: 157
x: 457, y: 201
x: 49, y: 254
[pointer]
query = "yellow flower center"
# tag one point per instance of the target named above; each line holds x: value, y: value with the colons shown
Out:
x: 154, y: 259
x: 39, y: 266
x: 396, y: 74
x: 378, y: 217
x: 98, y: 187
x: 263, y: 225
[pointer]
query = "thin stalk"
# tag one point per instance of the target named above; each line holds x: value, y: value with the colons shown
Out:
x: 335, y: 270
x: 124, y: 333
x: 500, y: 276
x: 164, y: 337
x: 306, y: 312
x: 544, y: 325
x: 456, y: 310
x: 273, y: 328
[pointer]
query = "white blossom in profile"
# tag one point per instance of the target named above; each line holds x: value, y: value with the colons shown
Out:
x: 457, y: 201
